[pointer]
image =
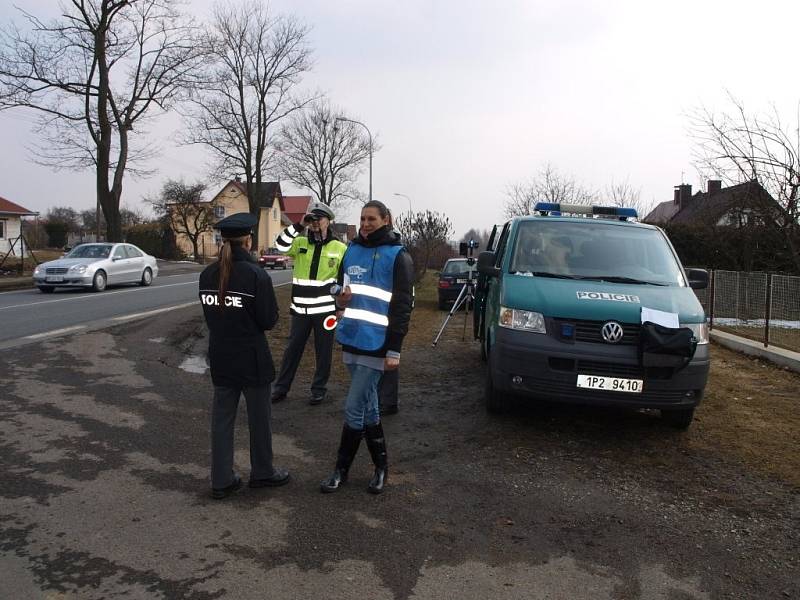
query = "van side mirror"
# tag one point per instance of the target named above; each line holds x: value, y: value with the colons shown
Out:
x: 486, y: 264
x: 698, y: 278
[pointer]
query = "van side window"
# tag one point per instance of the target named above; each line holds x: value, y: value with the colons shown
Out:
x: 501, y: 244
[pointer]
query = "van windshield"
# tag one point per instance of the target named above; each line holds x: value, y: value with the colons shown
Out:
x: 592, y: 249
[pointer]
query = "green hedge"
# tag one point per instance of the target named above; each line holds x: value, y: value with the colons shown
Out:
x: 154, y: 239
x: 732, y: 248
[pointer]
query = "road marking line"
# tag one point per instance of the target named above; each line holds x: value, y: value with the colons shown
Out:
x: 154, y: 312
x: 36, y: 336
x: 100, y: 295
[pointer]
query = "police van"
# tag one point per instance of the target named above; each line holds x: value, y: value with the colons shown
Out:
x: 584, y: 304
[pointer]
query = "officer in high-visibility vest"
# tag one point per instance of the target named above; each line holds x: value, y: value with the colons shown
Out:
x: 317, y: 257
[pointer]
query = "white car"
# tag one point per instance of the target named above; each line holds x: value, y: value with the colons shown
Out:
x: 96, y: 266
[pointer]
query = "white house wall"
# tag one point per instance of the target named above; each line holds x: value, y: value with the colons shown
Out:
x: 11, y: 231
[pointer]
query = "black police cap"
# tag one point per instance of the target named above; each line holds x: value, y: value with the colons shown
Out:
x: 237, y: 225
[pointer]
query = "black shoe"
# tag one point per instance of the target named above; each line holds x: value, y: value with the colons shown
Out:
x: 390, y: 410
x: 278, y: 397
x: 279, y: 477
x: 317, y: 397
x: 332, y: 483
x: 220, y: 493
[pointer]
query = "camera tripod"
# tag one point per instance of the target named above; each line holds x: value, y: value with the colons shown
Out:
x: 467, y: 294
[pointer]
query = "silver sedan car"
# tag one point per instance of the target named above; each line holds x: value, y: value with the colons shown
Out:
x: 96, y: 266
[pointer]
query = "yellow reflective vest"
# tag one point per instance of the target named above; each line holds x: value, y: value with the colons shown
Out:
x: 316, y: 266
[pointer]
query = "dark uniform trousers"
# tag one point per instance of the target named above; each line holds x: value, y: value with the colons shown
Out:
x: 223, y: 418
x: 387, y: 389
x: 302, y: 325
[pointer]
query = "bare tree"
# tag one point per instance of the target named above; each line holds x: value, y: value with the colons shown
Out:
x: 322, y: 154
x: 256, y: 61
x: 549, y: 185
x: 181, y: 205
x: 622, y: 193
x: 66, y: 215
x: 737, y: 146
x: 423, y: 232
x: 94, y: 75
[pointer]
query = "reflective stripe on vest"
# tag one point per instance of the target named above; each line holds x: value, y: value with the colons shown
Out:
x: 312, y: 310
x: 365, y: 315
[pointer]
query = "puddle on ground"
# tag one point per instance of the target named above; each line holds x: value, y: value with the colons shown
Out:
x: 194, y: 364
x: 158, y: 340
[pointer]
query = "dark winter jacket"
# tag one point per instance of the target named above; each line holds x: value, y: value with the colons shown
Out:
x: 238, y: 351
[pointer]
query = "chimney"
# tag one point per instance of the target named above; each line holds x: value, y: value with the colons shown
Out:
x: 714, y: 185
x: 683, y: 194
x: 237, y: 178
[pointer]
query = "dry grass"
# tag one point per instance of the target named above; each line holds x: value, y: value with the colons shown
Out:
x: 12, y: 263
x: 788, y: 339
x: 750, y: 414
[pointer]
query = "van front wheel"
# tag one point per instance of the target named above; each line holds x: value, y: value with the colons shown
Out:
x: 496, y: 401
x: 679, y: 419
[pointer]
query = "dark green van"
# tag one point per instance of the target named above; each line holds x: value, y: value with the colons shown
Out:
x: 559, y: 307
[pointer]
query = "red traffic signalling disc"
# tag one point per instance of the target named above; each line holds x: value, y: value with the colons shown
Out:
x: 329, y: 323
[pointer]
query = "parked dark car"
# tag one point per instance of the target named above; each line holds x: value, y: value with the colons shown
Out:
x: 452, y: 278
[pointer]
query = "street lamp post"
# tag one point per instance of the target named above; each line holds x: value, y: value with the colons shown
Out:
x: 369, y: 133
x: 407, y: 198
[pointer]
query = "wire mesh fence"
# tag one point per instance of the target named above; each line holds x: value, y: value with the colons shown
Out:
x: 758, y: 306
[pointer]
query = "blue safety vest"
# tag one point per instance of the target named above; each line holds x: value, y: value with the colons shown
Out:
x: 370, y: 273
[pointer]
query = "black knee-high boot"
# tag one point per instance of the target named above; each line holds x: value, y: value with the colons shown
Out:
x: 376, y: 442
x: 348, y: 447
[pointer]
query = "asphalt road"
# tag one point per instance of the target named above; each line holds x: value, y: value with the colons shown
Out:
x: 104, y: 442
x: 28, y: 315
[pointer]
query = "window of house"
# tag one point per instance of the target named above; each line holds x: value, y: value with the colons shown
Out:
x: 219, y: 212
x: 2, y: 229
x: 217, y: 239
x: 274, y: 213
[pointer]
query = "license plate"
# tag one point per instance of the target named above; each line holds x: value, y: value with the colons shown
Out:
x: 54, y: 279
x: 611, y: 384
x: 461, y: 281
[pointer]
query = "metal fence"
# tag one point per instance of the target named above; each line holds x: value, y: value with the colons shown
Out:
x: 759, y: 306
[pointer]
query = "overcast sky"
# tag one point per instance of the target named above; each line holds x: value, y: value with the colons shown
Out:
x: 467, y: 97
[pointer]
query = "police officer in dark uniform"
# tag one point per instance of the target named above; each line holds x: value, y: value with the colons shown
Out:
x: 239, y: 305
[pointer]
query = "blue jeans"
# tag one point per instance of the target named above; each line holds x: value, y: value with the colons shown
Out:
x: 361, y: 405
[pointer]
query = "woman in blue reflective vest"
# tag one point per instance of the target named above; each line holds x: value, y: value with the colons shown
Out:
x: 377, y: 279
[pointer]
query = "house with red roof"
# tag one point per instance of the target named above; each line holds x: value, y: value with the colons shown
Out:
x: 295, y: 207
x: 11, y: 225
x: 231, y: 199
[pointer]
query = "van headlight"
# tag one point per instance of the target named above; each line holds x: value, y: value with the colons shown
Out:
x: 700, y: 331
x: 522, y: 320
x: 80, y: 269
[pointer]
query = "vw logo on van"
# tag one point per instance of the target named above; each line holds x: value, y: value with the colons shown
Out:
x: 612, y: 332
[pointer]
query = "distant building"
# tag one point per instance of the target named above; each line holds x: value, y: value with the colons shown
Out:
x: 10, y: 227
x: 734, y: 206
x: 231, y: 199
x: 344, y: 231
